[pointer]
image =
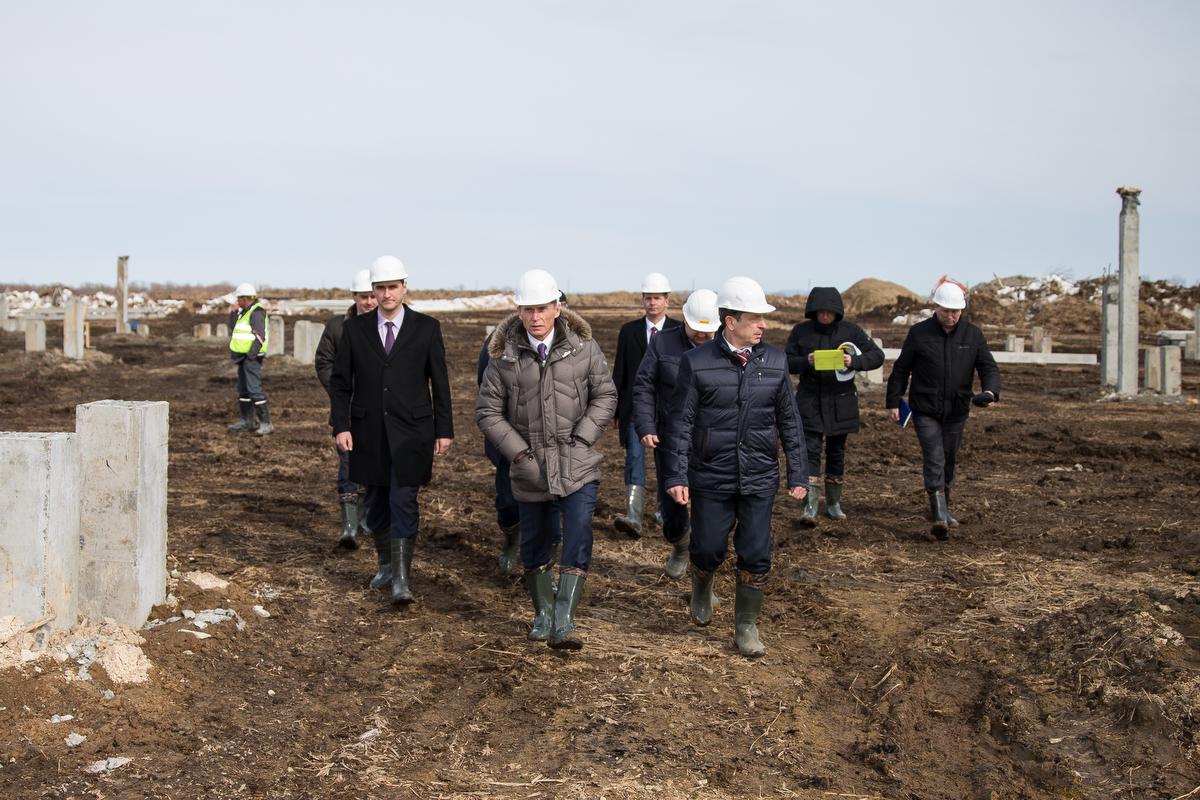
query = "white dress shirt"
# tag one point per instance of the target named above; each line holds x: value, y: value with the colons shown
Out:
x: 396, y: 323
x: 656, y: 327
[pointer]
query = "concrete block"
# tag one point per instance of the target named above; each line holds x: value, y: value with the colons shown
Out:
x: 1046, y: 345
x: 1036, y: 336
x: 222, y: 331
x: 123, y: 514
x: 74, y: 324
x: 1014, y: 344
x: 306, y: 335
x: 875, y: 376
x: 143, y: 330
x: 1152, y: 368
x: 35, y: 335
x: 3, y: 310
x: 122, y: 292
x: 14, y: 325
x: 1170, y: 368
x: 1109, y: 309
x: 1189, y: 347
x: 39, y: 527
x: 275, y: 336
x: 1196, y: 352
x: 202, y: 330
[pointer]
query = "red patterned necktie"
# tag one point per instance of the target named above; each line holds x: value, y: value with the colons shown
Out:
x: 391, y: 339
x: 742, y: 356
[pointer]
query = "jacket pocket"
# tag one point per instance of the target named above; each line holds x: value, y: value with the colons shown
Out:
x: 527, y: 474
x: 845, y: 407
x: 357, y: 412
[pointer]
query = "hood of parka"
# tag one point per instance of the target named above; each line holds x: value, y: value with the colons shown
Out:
x: 824, y: 298
x: 568, y: 324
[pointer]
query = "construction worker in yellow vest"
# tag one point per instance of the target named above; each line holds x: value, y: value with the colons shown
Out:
x: 247, y: 349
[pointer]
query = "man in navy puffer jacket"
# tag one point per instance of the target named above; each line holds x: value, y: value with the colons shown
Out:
x: 731, y: 408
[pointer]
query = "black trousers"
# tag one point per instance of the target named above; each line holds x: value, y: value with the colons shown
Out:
x: 835, y: 453
x: 939, y: 450
x: 713, y: 515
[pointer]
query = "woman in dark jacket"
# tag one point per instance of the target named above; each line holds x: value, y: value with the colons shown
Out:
x: 828, y: 405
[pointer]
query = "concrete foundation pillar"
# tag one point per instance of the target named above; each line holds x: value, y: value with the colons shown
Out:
x: 1014, y: 344
x: 1152, y: 369
x: 1190, y: 347
x: 35, y: 335
x: 74, y: 321
x: 1108, y: 331
x: 876, y: 375
x: 275, y: 336
x: 222, y: 331
x: 202, y: 330
x: 1036, y: 336
x: 122, y: 294
x: 1170, y: 370
x: 123, y: 514
x: 1046, y: 344
x: 1127, y: 325
x: 3, y: 312
x: 306, y: 335
x: 1196, y: 317
x: 143, y: 330
x: 39, y: 527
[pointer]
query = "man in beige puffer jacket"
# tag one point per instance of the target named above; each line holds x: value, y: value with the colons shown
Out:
x: 547, y: 396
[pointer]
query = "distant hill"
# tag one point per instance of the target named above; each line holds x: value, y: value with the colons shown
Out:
x: 870, y: 293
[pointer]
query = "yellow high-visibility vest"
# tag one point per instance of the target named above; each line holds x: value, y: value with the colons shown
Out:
x: 243, y: 335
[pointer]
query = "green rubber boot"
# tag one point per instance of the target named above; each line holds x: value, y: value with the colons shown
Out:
x: 678, y: 562
x: 833, y: 498
x: 510, y: 550
x: 746, y: 606
x: 349, y: 537
x: 402, y: 551
x: 565, y: 636
x: 383, y: 549
x: 937, y: 511
x: 635, y: 506
x: 541, y: 591
x: 811, y: 501
x: 702, y: 596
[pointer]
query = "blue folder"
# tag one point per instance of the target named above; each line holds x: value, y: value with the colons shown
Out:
x: 905, y: 413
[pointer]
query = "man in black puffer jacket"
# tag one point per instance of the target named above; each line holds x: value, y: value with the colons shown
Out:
x: 942, y: 355
x: 731, y: 408
x: 827, y: 399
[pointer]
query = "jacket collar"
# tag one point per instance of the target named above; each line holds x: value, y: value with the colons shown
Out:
x: 570, y: 332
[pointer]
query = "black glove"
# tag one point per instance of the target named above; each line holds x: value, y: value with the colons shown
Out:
x: 982, y: 399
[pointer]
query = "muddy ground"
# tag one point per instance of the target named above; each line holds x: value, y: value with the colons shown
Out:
x: 1047, y: 650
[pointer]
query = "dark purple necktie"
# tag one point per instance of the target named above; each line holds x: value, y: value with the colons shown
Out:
x: 542, y: 351
x: 653, y: 331
x: 390, y: 340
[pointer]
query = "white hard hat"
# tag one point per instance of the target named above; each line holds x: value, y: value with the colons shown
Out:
x: 743, y: 294
x: 387, y: 268
x: 950, y: 295
x: 362, y: 281
x: 655, y: 283
x: 245, y: 290
x: 536, y: 288
x: 700, y: 311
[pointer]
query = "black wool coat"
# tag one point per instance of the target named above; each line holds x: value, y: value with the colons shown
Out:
x: 942, y: 367
x: 826, y: 404
x: 631, y: 347
x: 395, y: 405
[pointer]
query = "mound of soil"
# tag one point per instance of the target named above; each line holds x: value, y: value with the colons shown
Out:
x: 869, y: 294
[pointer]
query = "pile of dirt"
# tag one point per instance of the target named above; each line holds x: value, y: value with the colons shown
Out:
x: 869, y: 294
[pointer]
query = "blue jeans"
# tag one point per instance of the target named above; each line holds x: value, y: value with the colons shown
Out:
x: 249, y: 382
x: 713, y: 515
x: 393, y: 508
x: 539, y: 522
x: 675, y: 516
x: 635, y: 459
x: 508, y: 511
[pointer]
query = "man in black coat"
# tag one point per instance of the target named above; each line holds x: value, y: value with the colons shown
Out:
x: 632, y: 342
x: 350, y: 494
x: 391, y: 410
x: 942, y: 355
x: 828, y: 399
x: 731, y: 409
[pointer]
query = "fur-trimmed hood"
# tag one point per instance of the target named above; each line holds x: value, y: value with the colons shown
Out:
x: 569, y: 325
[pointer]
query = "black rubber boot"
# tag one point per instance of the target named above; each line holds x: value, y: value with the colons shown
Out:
x: 510, y: 549
x: 833, y: 499
x: 702, y: 596
x: 349, y: 537
x: 937, y: 511
x: 565, y: 636
x: 402, y: 551
x: 678, y: 562
x: 541, y: 591
x: 361, y: 504
x: 808, y: 518
x: 383, y: 549
x: 746, y: 606
x: 635, y: 507
x: 247, y: 424
x: 950, y: 521
x: 264, y: 419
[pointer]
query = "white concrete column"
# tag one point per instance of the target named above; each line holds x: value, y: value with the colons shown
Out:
x: 1127, y: 326
x: 3, y: 312
x: 1046, y: 345
x: 39, y: 526
x: 306, y: 336
x: 74, y: 320
x: 122, y: 294
x: 143, y: 330
x: 1108, y: 331
x: 222, y: 331
x: 1196, y: 317
x: 35, y: 335
x: 875, y: 375
x: 276, y: 338
x: 1170, y: 370
x: 202, y: 330
x: 1036, y: 335
x: 123, y: 515
x: 1152, y: 369
x: 1189, y: 347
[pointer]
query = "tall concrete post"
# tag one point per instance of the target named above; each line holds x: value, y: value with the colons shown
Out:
x: 122, y: 294
x: 39, y: 526
x: 123, y: 513
x: 1036, y: 335
x: 1109, y: 299
x: 1196, y: 317
x: 1170, y: 370
x: 3, y: 313
x: 275, y: 336
x: 1127, y: 325
x: 1152, y: 370
x: 74, y: 319
x: 35, y: 335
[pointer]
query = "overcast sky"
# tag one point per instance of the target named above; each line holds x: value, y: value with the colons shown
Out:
x: 798, y: 143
